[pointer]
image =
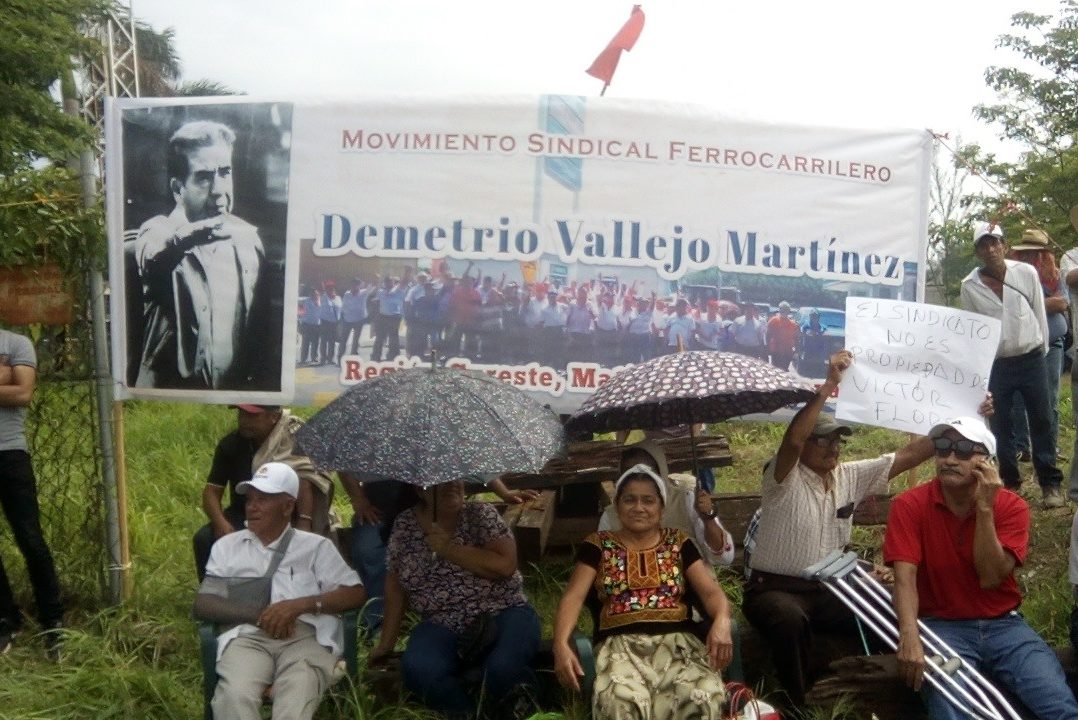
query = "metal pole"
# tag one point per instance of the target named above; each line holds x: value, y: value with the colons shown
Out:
x: 115, y: 524
x: 117, y: 568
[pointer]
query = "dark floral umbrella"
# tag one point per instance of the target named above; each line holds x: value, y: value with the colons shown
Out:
x: 697, y: 386
x: 426, y: 426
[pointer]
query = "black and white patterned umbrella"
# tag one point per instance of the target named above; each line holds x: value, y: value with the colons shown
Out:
x: 697, y: 386
x: 426, y: 426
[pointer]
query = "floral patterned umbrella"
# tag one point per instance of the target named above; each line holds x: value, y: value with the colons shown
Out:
x: 687, y: 387
x: 426, y: 426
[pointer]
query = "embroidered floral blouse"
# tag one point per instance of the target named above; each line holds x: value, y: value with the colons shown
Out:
x: 640, y: 591
x: 444, y: 593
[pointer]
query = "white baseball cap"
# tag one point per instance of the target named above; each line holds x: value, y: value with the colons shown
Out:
x: 980, y: 229
x: 272, y: 478
x: 970, y: 428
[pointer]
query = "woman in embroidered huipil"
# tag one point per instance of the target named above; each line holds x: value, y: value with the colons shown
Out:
x: 649, y: 665
x: 453, y: 561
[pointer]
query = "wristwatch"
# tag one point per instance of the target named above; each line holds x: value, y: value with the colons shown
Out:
x: 711, y: 515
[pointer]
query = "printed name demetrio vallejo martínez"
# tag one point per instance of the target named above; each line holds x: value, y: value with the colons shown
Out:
x: 618, y: 242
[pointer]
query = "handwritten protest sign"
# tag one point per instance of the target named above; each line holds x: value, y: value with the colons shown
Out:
x: 915, y: 365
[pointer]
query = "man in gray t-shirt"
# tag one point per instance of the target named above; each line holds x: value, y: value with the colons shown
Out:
x: 18, y: 496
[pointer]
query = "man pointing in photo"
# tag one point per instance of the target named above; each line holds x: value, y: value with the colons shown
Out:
x: 199, y: 268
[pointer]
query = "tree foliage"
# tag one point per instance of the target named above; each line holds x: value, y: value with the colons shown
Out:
x: 1037, y: 107
x: 37, y: 40
x: 160, y: 69
x: 950, y: 250
x: 43, y: 221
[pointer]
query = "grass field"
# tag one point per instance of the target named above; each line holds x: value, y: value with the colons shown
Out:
x: 140, y: 660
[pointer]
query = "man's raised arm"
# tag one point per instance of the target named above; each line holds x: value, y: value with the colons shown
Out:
x: 800, y: 428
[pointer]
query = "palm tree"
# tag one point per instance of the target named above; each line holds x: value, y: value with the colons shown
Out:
x: 159, y: 67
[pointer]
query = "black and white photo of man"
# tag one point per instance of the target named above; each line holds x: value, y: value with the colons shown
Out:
x: 201, y: 272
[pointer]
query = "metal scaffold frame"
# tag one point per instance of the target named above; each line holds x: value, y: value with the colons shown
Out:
x: 113, y: 72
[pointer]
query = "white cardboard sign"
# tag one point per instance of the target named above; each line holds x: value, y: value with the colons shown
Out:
x: 915, y: 365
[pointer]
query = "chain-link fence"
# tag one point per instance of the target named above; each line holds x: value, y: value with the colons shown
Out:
x: 61, y: 429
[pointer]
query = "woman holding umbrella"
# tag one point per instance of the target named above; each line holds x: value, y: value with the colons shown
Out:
x: 455, y: 564
x: 644, y: 578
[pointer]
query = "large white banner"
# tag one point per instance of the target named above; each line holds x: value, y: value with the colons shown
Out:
x: 281, y: 251
x: 915, y: 365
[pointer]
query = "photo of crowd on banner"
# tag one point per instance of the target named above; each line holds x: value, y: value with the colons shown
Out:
x: 489, y: 320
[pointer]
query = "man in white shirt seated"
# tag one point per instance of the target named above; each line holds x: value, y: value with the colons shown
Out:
x: 807, y: 505
x: 291, y: 640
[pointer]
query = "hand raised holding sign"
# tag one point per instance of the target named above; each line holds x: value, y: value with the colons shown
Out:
x: 837, y: 364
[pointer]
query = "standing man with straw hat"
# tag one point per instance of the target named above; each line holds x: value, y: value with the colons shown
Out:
x: 1034, y: 250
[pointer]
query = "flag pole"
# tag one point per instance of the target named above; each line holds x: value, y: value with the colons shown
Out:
x: 603, y: 91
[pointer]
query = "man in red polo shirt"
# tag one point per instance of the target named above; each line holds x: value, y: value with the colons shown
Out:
x: 953, y: 543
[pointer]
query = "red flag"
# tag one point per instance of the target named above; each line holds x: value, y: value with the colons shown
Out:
x: 607, y: 62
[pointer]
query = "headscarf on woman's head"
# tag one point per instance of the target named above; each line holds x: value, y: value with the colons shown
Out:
x: 635, y: 472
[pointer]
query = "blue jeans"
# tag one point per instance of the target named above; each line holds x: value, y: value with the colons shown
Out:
x: 1053, y: 362
x: 1008, y: 652
x: 1074, y: 629
x: 430, y: 665
x: 369, y: 560
x: 1024, y: 375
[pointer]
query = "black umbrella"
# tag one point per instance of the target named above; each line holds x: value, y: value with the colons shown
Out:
x: 697, y: 386
x: 426, y: 426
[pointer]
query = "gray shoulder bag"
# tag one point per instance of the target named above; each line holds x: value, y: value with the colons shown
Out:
x: 256, y: 591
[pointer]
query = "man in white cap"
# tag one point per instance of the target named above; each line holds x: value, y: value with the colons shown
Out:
x: 291, y: 640
x: 954, y: 543
x: 264, y: 433
x: 1011, y: 291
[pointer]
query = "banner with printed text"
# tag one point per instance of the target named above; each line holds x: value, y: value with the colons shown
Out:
x: 280, y: 251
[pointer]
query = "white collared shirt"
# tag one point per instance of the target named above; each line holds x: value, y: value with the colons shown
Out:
x: 1021, y: 310
x: 311, y: 566
x: 680, y: 326
x: 607, y: 318
x: 799, y: 523
x: 553, y: 315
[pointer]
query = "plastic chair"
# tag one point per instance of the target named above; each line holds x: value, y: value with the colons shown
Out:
x: 207, y: 636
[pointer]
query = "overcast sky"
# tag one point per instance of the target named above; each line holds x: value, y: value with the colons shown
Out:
x: 860, y: 63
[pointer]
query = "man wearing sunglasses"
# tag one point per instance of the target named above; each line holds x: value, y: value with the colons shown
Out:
x: 807, y: 504
x: 954, y: 543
